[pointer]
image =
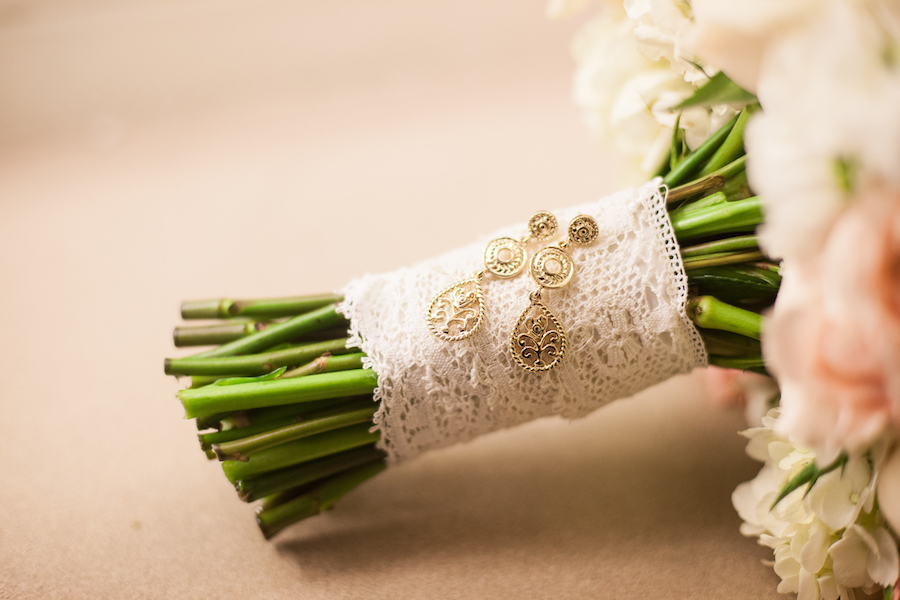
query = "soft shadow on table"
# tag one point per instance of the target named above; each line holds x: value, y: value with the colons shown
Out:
x: 587, y: 498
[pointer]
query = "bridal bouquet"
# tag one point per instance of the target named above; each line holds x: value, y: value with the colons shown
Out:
x: 766, y: 241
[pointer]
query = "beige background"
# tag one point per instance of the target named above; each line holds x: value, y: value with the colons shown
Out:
x: 160, y: 150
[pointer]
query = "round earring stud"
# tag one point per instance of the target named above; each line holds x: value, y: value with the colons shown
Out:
x: 583, y: 230
x: 542, y: 225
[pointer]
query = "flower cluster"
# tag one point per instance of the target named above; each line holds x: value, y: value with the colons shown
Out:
x: 825, y: 156
x: 826, y: 542
x: 633, y: 67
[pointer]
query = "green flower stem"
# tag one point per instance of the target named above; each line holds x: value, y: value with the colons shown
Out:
x: 705, y: 202
x: 688, y: 190
x: 737, y: 187
x: 292, y: 329
x: 300, y: 451
x: 210, y: 422
x: 253, y: 364
x: 722, y: 178
x: 209, y: 335
x: 198, y: 381
x: 741, y: 242
x: 214, y: 399
x: 255, y: 488
x: 331, y: 333
x: 319, y: 499
x: 727, y: 344
x: 744, y: 364
x: 248, y: 446
x: 279, y: 498
x: 327, y: 363
x: 218, y: 437
x: 728, y: 217
x: 299, y: 411
x: 722, y: 258
x: 731, y: 170
x: 711, y: 313
x: 695, y: 159
x: 732, y: 147
x: 267, y: 309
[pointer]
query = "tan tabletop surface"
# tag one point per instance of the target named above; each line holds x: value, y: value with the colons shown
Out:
x: 140, y: 171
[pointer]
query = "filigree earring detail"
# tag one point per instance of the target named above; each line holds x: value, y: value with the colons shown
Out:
x: 457, y: 311
x: 539, y: 341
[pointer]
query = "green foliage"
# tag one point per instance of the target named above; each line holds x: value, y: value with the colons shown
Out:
x: 679, y: 147
x: 739, y: 284
x: 718, y: 90
x: 808, y: 477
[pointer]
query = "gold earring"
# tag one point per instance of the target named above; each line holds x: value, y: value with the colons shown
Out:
x: 538, y: 341
x: 457, y: 311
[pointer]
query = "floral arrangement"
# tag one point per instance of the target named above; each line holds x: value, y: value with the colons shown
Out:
x: 824, y: 155
x: 773, y: 132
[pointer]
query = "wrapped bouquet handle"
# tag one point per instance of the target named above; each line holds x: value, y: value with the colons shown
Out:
x: 626, y: 323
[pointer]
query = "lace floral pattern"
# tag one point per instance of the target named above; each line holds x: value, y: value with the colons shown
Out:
x: 623, y: 311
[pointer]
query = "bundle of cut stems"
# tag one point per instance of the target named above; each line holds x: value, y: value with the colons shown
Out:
x: 287, y: 407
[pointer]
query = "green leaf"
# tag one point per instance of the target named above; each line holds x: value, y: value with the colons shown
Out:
x: 267, y: 377
x: 676, y: 153
x: 808, y: 476
x: 718, y: 90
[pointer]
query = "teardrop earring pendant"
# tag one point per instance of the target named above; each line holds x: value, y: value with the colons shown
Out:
x: 538, y: 341
x: 457, y: 311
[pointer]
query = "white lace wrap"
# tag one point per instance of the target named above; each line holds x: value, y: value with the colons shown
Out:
x: 624, y: 313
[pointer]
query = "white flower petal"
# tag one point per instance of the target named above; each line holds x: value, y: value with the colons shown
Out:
x: 814, y: 552
x: 745, y: 501
x: 785, y: 564
x: 889, y: 489
x: 834, y: 499
x: 884, y: 565
x: 850, y: 554
x: 809, y: 587
x: 789, y: 585
x: 828, y: 587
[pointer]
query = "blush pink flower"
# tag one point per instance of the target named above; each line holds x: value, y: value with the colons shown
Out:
x: 733, y: 388
x: 723, y: 386
x: 833, y: 340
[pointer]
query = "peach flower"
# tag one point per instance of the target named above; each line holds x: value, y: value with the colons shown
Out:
x: 733, y: 388
x: 833, y: 341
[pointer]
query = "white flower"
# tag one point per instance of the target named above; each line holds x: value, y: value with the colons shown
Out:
x: 828, y: 95
x: 825, y: 157
x: 734, y: 35
x: 627, y: 98
x: 862, y: 559
x: 739, y: 36
x: 839, y: 496
x: 827, y: 543
x: 662, y: 26
x: 889, y: 488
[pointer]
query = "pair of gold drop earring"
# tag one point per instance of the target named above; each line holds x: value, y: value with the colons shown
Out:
x: 538, y: 341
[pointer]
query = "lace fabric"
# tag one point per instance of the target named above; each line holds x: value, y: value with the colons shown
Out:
x: 623, y: 312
